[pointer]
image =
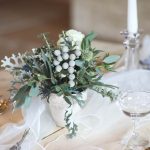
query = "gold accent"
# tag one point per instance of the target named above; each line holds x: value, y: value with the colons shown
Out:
x: 53, y: 133
x: 4, y: 105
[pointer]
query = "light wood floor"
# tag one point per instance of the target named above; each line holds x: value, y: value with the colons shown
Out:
x: 21, y: 21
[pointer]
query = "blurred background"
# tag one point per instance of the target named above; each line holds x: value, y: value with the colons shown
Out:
x: 22, y: 20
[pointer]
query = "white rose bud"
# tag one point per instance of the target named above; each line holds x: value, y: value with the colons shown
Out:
x: 65, y: 56
x: 71, y: 76
x: 58, y: 68
x: 65, y: 65
x: 72, y: 56
x: 57, y: 52
x: 59, y: 58
x: 72, y: 63
x: 71, y: 83
x: 78, y: 53
x: 70, y: 70
x: 65, y: 49
x: 55, y: 62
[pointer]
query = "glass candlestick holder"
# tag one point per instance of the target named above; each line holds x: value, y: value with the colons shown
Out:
x: 131, y: 44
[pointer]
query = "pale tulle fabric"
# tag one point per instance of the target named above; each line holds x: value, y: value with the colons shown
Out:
x: 98, y: 121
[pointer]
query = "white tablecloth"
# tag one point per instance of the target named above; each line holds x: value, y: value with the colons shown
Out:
x: 101, y: 123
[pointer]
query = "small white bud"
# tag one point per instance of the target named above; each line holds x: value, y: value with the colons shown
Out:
x: 72, y: 63
x: 63, y: 76
x: 58, y: 68
x: 78, y: 53
x: 59, y: 58
x: 33, y: 50
x: 57, y: 52
x: 65, y: 56
x: 55, y: 62
x: 72, y: 56
x: 71, y: 76
x: 65, y: 65
x: 70, y: 70
x: 65, y: 49
x: 71, y: 83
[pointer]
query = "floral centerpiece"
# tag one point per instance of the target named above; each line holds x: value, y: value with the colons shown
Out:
x: 65, y: 69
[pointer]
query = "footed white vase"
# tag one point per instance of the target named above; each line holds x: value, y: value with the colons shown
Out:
x: 58, y: 106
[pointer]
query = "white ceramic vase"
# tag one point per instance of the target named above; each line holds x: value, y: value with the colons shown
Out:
x: 58, y: 106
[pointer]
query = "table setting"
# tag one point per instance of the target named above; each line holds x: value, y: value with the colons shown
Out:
x: 69, y: 95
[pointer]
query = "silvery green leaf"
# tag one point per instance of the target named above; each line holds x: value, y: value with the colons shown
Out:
x: 67, y: 99
x: 27, y: 102
x: 79, y: 63
x: 57, y: 88
x: 87, y: 41
x: 42, y: 77
x: 34, y: 91
x: 90, y: 37
x: 21, y: 95
x: 87, y: 55
x: 111, y: 59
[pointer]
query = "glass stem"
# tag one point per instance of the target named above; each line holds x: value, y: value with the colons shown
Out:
x: 135, y: 121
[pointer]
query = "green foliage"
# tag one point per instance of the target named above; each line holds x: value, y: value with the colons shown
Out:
x: 70, y: 125
x: 21, y: 95
x: 41, y: 78
x: 111, y: 59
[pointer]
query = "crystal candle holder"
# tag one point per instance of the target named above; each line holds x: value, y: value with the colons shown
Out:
x: 131, y: 44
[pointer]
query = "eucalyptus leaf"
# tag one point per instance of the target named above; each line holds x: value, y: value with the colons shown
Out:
x: 86, y: 43
x: 27, y: 103
x: 90, y: 37
x: 111, y: 59
x: 79, y: 63
x: 21, y: 95
x: 34, y: 91
x: 67, y: 99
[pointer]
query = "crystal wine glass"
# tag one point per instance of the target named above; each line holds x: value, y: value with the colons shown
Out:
x: 135, y: 104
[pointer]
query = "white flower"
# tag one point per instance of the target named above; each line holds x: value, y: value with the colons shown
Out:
x: 55, y: 62
x: 65, y: 49
x: 57, y: 52
x: 75, y: 35
x: 65, y: 56
x: 58, y: 68
x: 78, y: 53
x: 72, y: 56
x: 71, y: 83
x: 70, y: 70
x: 59, y: 58
x: 72, y: 63
x: 65, y: 65
x: 71, y: 76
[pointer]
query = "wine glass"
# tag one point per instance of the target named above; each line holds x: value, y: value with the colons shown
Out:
x: 135, y: 104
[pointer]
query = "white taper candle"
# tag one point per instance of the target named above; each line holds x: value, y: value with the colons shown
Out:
x: 132, y: 16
